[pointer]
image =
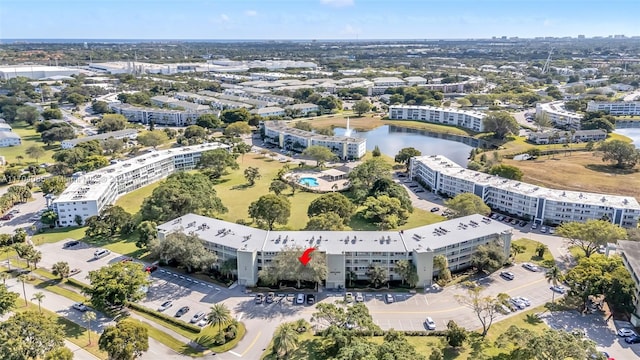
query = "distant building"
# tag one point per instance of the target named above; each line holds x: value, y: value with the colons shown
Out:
x: 561, y: 137
x: 618, y: 108
x: 558, y: 115
x: 526, y: 201
x: 35, y: 72
x: 630, y: 252
x: 120, y: 134
x: 346, y: 251
x: 305, y: 108
x: 165, y: 117
x: 89, y: 193
x: 269, y: 111
x: 9, y: 138
x: 289, y: 138
x: 448, y: 116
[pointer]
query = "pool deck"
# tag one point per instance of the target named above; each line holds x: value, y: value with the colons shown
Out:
x: 324, y: 185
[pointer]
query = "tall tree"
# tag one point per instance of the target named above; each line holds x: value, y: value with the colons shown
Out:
x: 117, y: 284
x: 215, y: 162
x: 39, y: 296
x: 7, y: 299
x: 237, y: 129
x: 88, y: 317
x: 441, y: 263
x: 127, y: 340
x: 29, y: 335
x: 186, y: 250
x: 251, y: 174
x: 54, y: 185
x: 363, y: 176
x: 405, y: 155
x: 550, y: 344
x: 277, y: 186
x: 285, y: 340
x: 28, y: 114
x: 61, y: 268
x: 219, y: 316
x: 320, y: 154
x: 270, y: 210
x: 34, y: 152
x: 325, y: 222
x: 208, y: 121
x: 377, y: 275
x: 553, y: 276
x: 112, y: 122
x: 384, y: 211
x: 484, y: 307
x: 501, y: 123
x: 624, y: 154
x: 362, y: 106
x: 195, y: 131
x: 407, y: 272
x: 153, y: 138
x: 285, y: 266
x: 60, y: 353
x: 146, y: 233
x: 332, y: 203
x: 488, y: 257
x: 467, y: 204
x: 507, y: 171
x: 591, y: 234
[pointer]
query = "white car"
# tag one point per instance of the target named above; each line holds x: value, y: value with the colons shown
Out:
x: 543, y: 229
x: 300, y: 299
x: 429, y: 323
x: 624, y: 332
x: 517, y: 303
x: 531, y: 267
x: 507, y: 275
x: 389, y: 298
x: 558, y: 288
x: 165, y: 305
x: 524, y: 300
x: 359, y: 297
x: 80, y: 307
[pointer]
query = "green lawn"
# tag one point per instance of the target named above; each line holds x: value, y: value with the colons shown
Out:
x: 58, y: 234
x: 529, y: 254
x: 29, y: 138
x: 132, y: 201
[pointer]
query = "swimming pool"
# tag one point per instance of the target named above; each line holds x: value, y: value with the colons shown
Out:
x: 309, y: 181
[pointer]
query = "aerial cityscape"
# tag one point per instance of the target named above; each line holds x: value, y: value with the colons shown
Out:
x: 319, y: 179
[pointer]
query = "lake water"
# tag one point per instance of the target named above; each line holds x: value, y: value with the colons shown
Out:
x: 633, y: 134
x: 391, y: 140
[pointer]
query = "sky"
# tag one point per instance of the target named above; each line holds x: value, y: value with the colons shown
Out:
x: 314, y: 19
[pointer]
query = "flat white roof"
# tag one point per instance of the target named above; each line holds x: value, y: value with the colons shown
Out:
x: 445, y: 166
x: 426, y: 237
x: 9, y: 135
x: 435, y: 108
x: 94, y: 184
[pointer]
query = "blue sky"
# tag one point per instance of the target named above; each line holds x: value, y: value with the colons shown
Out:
x: 314, y: 19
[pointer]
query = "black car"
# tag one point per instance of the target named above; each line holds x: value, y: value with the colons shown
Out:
x: 183, y: 310
x: 632, y: 339
x: 71, y: 243
x: 311, y: 299
x: 435, y: 209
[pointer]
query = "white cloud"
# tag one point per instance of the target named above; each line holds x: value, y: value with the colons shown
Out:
x: 224, y: 18
x: 350, y: 30
x: 337, y: 3
x: 251, y: 13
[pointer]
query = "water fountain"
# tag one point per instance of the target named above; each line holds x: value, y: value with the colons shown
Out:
x: 349, y: 131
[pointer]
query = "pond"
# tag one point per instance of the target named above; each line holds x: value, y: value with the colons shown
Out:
x: 391, y: 139
x: 633, y: 134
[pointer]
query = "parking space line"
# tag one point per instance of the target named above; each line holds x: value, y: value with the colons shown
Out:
x: 425, y: 300
x: 176, y: 275
x: 210, y: 287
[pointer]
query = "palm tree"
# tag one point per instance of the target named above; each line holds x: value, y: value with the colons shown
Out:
x: 22, y: 278
x: 553, y: 275
x: 61, y: 268
x: 377, y: 275
x: 39, y: 296
x: 4, y: 276
x: 88, y: 317
x: 219, y: 316
x: 285, y: 340
x: 35, y: 258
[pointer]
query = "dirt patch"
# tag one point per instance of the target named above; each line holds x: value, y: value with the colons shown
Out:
x: 579, y: 171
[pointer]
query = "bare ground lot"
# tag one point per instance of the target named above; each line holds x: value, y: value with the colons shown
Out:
x: 579, y: 171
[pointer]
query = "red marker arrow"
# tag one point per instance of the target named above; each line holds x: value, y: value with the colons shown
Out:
x: 306, y: 256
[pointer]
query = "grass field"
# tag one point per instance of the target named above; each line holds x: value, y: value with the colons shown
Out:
x: 29, y: 138
x: 579, y: 171
x: 529, y: 254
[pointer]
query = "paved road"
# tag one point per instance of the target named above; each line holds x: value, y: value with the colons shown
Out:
x: 22, y: 219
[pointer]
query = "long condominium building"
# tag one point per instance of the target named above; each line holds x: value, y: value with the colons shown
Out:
x: 448, y: 116
x: 87, y: 195
x: 618, y: 108
x: 167, y: 117
x: 543, y: 205
x: 346, y: 251
x: 286, y: 137
x: 558, y: 115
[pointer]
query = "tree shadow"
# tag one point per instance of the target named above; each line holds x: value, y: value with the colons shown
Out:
x: 610, y: 169
x: 241, y: 187
x: 532, y: 319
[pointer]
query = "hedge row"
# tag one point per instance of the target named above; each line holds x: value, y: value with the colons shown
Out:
x: 384, y: 332
x: 170, y: 319
x: 79, y: 284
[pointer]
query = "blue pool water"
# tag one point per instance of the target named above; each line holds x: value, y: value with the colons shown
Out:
x: 309, y: 181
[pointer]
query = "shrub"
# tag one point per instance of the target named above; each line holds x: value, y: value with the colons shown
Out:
x: 229, y: 335
x: 220, y: 339
x: 165, y: 317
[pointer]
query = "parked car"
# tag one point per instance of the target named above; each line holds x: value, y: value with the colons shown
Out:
x: 71, y: 243
x: 359, y: 297
x: 507, y: 275
x: 531, y: 267
x: 204, y: 321
x: 151, y: 268
x: 558, y: 288
x: 311, y: 299
x: 501, y: 217
x: 494, y: 216
x: 625, y: 332
x: 543, y: 229
x: 259, y: 298
x: 100, y: 253
x: 514, y: 221
x: 197, y: 317
x: 183, y: 310
x: 435, y: 209
x: 552, y: 230
x: 270, y: 297
x: 632, y: 339
x: 389, y: 298
x: 165, y: 305
x: 74, y: 271
x: 300, y: 299
x: 517, y: 303
x: 7, y: 217
x: 348, y: 297
x: 534, y: 226
x: 429, y: 323
x: 80, y: 307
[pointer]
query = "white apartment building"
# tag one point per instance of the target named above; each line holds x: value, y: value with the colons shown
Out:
x: 5, y: 127
x: 630, y: 253
x: 346, y: 251
x: 415, y: 80
x: 560, y: 137
x: 557, y: 114
x: 305, y: 108
x: 269, y: 111
x: 543, y: 205
x: 448, y: 116
x: 120, y: 134
x: 166, y: 117
x: 87, y: 195
x: 346, y: 148
x: 619, y: 108
x: 9, y: 138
